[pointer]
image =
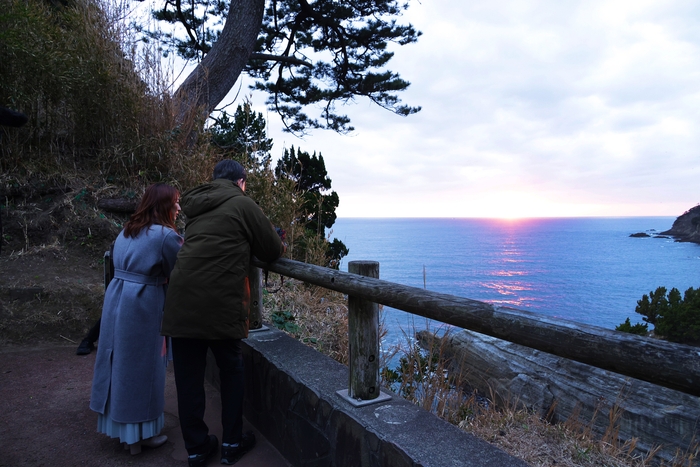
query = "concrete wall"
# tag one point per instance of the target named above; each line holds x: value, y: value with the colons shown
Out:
x: 291, y: 398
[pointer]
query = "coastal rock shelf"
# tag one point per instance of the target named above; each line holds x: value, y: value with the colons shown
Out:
x: 686, y: 228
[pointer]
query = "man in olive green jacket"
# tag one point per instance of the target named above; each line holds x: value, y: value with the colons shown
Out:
x: 207, y: 305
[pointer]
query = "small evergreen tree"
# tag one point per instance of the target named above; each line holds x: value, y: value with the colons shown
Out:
x: 245, y: 136
x: 311, y: 178
x: 652, y: 305
x: 293, y: 195
x: 674, y: 317
x: 679, y: 321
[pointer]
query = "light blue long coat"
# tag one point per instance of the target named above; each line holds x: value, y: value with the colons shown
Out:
x: 130, y: 363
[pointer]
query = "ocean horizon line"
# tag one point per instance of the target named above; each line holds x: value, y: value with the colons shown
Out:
x: 507, y: 218
x: 590, y: 270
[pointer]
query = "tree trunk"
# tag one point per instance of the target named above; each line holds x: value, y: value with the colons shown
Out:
x: 214, y: 77
x: 120, y: 205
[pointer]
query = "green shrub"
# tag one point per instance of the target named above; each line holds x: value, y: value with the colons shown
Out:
x: 653, y: 305
x: 674, y: 317
x: 680, y: 321
x: 639, y: 328
x: 285, y: 321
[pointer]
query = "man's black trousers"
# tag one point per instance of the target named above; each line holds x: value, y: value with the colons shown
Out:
x: 189, y: 360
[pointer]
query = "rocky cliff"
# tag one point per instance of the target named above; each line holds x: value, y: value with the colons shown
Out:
x: 687, y: 227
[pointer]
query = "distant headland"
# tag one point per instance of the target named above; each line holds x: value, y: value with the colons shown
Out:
x: 686, y: 228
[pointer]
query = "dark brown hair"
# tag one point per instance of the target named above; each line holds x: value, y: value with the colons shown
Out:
x: 156, y: 207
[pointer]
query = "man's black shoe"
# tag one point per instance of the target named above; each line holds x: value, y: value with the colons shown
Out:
x: 200, y: 460
x: 85, y: 347
x: 232, y: 454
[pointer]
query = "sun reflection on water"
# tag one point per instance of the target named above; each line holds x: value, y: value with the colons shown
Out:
x: 507, y: 273
x: 518, y: 302
x: 510, y: 293
x: 505, y: 288
x: 510, y: 266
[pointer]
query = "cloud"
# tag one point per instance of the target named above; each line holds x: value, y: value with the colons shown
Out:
x: 556, y: 108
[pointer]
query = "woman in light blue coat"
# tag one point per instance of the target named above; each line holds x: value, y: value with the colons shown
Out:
x: 128, y: 386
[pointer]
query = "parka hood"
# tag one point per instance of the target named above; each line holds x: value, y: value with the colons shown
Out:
x: 204, y: 198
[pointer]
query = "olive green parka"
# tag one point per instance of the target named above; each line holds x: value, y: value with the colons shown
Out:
x: 208, y: 295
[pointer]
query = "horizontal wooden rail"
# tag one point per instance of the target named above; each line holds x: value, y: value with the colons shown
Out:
x: 667, y: 364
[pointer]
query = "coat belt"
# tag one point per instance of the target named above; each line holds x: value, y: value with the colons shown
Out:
x: 139, y: 278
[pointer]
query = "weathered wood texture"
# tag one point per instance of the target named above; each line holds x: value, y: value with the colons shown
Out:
x: 255, y: 308
x: 564, y: 390
x: 671, y: 365
x: 363, y: 337
x: 108, y: 269
x: 121, y: 205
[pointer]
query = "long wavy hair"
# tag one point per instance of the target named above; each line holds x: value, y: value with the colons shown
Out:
x: 156, y: 207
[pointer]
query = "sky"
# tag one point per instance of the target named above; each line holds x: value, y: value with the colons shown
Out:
x: 529, y: 109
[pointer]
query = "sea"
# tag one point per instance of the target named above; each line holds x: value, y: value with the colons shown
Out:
x: 588, y: 270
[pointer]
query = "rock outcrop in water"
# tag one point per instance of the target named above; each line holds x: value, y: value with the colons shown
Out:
x: 686, y: 228
x: 640, y: 235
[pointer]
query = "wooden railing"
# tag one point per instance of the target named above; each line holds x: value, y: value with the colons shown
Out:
x: 674, y: 366
x: 659, y: 362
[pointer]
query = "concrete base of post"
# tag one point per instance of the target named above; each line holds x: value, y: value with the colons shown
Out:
x: 291, y: 399
x: 344, y: 393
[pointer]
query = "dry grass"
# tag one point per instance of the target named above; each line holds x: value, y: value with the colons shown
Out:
x: 316, y: 316
x: 320, y: 320
x: 48, y: 294
x: 539, y: 443
x: 100, y: 123
x: 521, y: 432
x: 99, y: 108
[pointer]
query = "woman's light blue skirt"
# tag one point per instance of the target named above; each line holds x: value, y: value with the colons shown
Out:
x: 128, y: 433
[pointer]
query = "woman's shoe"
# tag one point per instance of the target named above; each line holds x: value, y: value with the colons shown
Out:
x: 135, y: 448
x: 154, y: 442
x: 85, y: 347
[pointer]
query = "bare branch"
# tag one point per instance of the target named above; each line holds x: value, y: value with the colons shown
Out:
x: 280, y: 58
x: 181, y: 17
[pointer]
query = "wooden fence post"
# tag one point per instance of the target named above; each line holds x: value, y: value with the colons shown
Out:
x: 255, y: 310
x: 363, y: 328
x: 108, y: 267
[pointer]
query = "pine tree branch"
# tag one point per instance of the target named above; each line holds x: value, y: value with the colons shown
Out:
x: 280, y: 58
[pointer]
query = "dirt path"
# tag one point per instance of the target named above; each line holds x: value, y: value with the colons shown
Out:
x: 46, y: 421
